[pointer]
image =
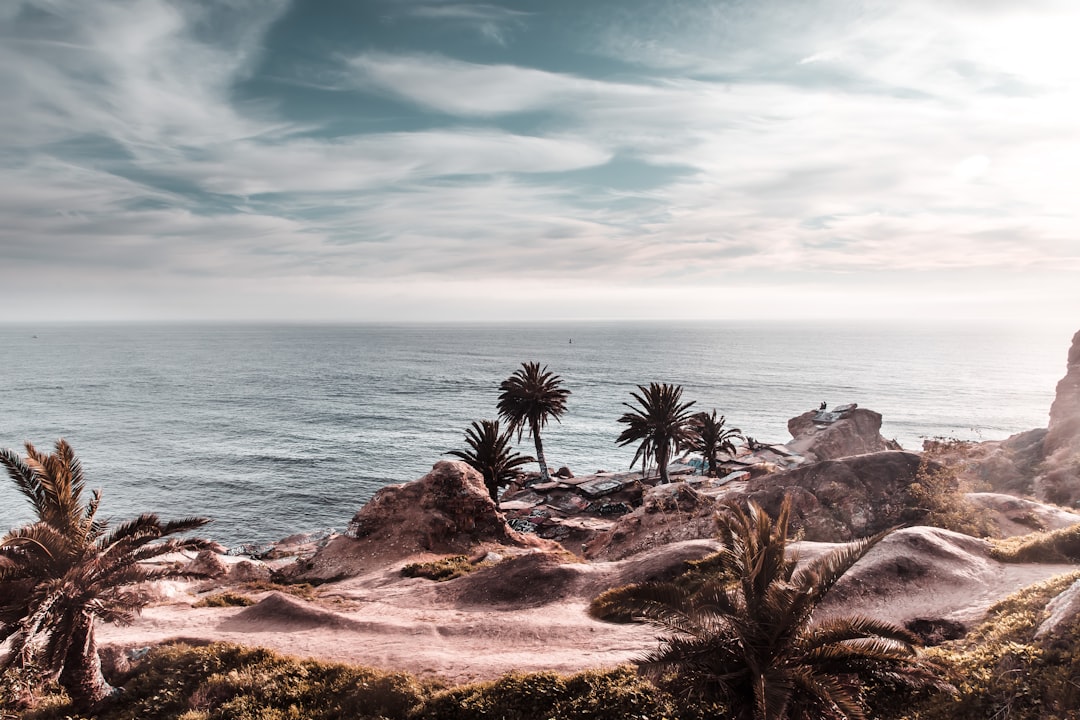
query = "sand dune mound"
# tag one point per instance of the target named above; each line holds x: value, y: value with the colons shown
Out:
x: 540, y: 578
x: 278, y: 612
x: 528, y: 580
x: 928, y: 574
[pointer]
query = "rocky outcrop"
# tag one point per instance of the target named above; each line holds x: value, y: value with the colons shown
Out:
x: 844, y: 499
x: 1064, y: 619
x: 668, y: 514
x: 1004, y: 466
x: 209, y: 564
x: 1014, y: 516
x: 848, y: 430
x: 448, y: 511
x: 1059, y: 479
x: 1064, y: 429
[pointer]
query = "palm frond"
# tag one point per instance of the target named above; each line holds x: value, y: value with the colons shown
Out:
x: 26, y: 480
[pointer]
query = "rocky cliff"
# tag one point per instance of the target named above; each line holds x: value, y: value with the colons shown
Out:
x: 1059, y: 477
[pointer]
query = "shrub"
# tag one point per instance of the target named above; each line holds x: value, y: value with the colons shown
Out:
x: 225, y: 599
x: 591, y: 695
x: 439, y: 570
x: 1057, y: 546
x: 229, y: 682
x: 610, y: 605
x: 937, y: 499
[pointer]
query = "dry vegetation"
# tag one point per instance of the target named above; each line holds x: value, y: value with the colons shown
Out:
x: 1058, y: 546
x: 1000, y: 671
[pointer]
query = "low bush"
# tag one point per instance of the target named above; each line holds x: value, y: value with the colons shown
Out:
x: 1057, y: 546
x: 225, y: 599
x: 937, y: 500
x: 592, y: 695
x: 439, y: 570
x: 304, y: 591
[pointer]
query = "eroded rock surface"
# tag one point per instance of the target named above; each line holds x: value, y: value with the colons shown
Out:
x: 827, y: 435
x: 448, y: 511
x: 839, y: 500
x: 1059, y: 479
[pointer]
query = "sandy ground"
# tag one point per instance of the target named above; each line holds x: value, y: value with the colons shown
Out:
x: 529, y: 614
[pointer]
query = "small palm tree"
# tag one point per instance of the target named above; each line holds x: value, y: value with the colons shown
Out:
x: 709, y: 437
x: 662, y: 424
x: 490, y: 454
x: 747, y: 638
x: 527, y: 399
x: 65, y: 571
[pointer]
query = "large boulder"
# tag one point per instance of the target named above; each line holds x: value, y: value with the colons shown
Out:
x: 848, y: 430
x: 839, y: 500
x: 448, y: 511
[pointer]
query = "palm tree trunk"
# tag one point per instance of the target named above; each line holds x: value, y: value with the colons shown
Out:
x: 535, y: 427
x: 81, y: 676
x: 662, y: 461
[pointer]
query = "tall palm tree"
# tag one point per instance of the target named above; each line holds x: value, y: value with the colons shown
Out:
x: 527, y: 399
x: 662, y: 424
x: 708, y: 436
x: 63, y: 572
x: 490, y: 454
x: 748, y: 639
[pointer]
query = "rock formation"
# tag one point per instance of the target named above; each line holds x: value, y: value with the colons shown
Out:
x: 448, y: 511
x: 1044, y: 463
x: 668, y: 514
x: 848, y: 430
x: 839, y: 500
x: 1064, y: 429
x: 1064, y: 619
x: 1059, y: 479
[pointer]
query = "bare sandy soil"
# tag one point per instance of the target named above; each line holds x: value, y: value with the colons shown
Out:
x: 529, y: 613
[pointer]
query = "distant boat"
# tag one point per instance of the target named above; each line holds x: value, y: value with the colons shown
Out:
x: 571, y: 341
x: 35, y: 337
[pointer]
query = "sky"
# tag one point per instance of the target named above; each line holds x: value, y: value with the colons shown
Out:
x: 431, y: 160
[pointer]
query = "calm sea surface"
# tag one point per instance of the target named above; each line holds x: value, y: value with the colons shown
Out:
x: 271, y: 430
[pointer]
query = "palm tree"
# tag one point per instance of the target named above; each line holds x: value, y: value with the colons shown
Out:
x: 662, y: 424
x: 490, y: 454
x: 66, y: 570
x: 747, y: 638
x: 527, y: 399
x: 709, y: 437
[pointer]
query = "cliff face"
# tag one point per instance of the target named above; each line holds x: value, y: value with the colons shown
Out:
x: 1064, y: 429
x: 1059, y: 479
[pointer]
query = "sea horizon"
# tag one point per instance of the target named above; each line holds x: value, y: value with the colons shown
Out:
x: 273, y: 428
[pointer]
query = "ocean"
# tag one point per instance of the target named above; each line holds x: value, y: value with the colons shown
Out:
x: 272, y: 430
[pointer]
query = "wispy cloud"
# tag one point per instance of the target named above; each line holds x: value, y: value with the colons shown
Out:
x: 720, y: 143
x: 492, y: 21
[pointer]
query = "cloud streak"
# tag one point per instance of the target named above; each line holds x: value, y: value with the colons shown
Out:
x: 737, y: 145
